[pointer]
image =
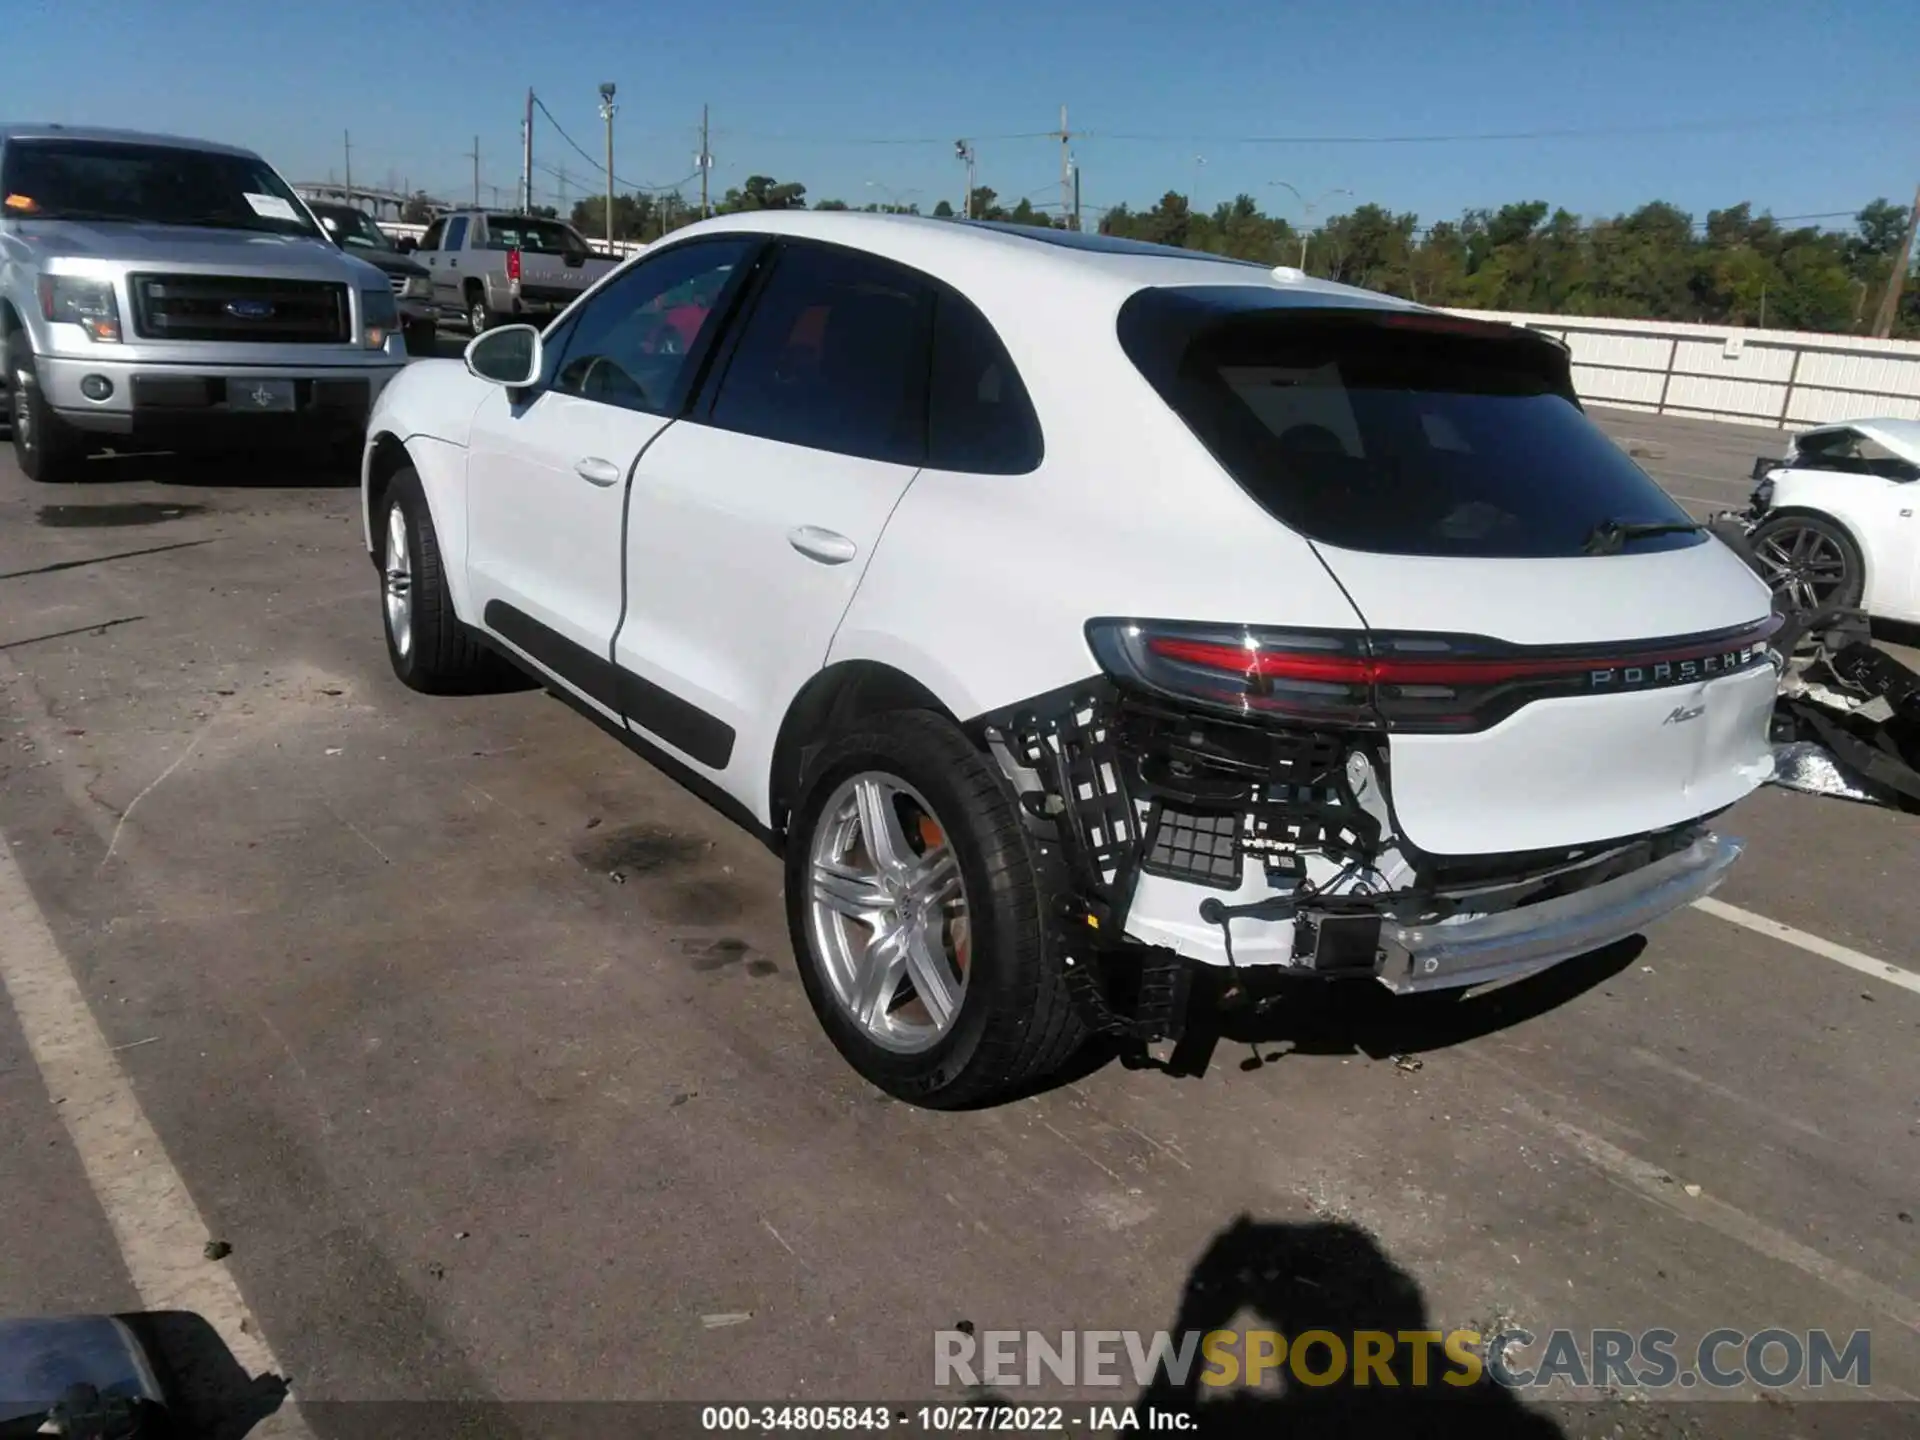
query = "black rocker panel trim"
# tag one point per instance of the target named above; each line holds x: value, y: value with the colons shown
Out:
x: 684, y: 726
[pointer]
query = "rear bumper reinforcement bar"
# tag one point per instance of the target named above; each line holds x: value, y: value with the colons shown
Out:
x: 1475, y: 950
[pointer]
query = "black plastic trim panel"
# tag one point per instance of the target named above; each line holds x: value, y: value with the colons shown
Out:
x: 681, y: 724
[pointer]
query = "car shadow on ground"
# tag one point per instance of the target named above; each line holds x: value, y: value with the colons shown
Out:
x: 1294, y: 1016
x: 224, y: 470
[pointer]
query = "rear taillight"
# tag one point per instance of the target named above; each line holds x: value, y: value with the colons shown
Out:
x: 513, y: 265
x: 1400, y: 682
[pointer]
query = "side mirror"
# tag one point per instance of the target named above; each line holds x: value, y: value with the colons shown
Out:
x: 406, y: 244
x: 509, y: 356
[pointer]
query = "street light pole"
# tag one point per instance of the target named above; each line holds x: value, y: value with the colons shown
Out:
x: 1308, y: 207
x: 607, y: 108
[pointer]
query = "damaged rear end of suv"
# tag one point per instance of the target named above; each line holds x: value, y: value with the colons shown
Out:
x: 1553, y: 681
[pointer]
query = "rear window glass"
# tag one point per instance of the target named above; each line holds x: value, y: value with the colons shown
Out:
x: 533, y: 235
x: 1360, y: 432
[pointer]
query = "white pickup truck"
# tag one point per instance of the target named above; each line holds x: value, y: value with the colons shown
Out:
x: 488, y: 266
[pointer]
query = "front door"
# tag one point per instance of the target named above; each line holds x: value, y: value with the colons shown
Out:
x: 548, y: 469
x: 753, y: 521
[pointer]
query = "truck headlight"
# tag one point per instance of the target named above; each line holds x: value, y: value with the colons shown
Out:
x: 72, y: 300
x: 379, y: 316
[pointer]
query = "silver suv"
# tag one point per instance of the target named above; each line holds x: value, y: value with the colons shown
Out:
x: 176, y: 294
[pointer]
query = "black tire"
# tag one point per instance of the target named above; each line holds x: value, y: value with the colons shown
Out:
x: 441, y: 656
x: 1016, y: 1023
x: 1781, y: 535
x: 480, y: 317
x: 45, y: 447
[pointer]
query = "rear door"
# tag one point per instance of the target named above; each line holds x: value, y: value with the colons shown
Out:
x: 1572, y: 688
x: 753, y: 521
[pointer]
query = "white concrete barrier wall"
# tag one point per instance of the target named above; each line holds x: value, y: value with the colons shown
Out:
x: 1786, y: 378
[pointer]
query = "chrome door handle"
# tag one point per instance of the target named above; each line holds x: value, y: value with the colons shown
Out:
x: 596, y: 471
x: 827, y: 546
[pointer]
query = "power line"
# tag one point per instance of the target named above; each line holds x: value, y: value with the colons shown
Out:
x: 762, y: 139
x: 1486, y: 137
x: 619, y: 180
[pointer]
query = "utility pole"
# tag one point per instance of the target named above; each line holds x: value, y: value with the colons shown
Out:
x: 347, y: 135
x: 963, y: 150
x: 1076, y: 195
x: 706, y: 163
x: 1066, y: 169
x: 526, y: 158
x: 1896, y: 278
x: 476, y: 171
x: 564, y: 212
x: 607, y: 108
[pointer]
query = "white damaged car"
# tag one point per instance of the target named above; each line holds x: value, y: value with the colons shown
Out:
x: 1080, y: 617
x: 1837, y: 521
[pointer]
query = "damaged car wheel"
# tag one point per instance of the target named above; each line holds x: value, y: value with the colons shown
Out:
x: 916, y: 916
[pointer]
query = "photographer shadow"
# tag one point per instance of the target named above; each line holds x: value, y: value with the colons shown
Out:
x: 1332, y: 1277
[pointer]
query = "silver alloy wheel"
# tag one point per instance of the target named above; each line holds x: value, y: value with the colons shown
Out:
x: 889, y: 917
x: 398, y: 571
x: 22, y: 410
x: 477, y: 317
x: 1808, y: 567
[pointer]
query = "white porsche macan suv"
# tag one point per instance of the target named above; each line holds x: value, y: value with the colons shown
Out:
x: 1079, y: 618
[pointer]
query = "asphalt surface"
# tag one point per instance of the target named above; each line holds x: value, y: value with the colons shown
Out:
x: 480, y: 1044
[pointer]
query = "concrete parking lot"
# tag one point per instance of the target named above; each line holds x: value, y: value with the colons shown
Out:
x: 480, y: 1045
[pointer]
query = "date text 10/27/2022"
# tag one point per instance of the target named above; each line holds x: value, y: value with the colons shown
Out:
x: 943, y: 1419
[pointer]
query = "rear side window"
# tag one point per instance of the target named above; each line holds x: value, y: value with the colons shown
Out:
x: 1365, y: 430
x: 833, y: 357
x: 979, y: 418
x: 456, y: 233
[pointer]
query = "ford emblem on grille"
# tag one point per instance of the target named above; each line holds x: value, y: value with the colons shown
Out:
x: 250, y: 309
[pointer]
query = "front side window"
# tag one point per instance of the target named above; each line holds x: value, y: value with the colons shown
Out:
x: 431, y: 240
x: 147, y: 184
x: 631, y: 344
x: 833, y: 357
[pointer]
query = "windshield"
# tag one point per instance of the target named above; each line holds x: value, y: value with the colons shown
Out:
x: 1397, y: 436
x: 58, y: 179
x: 352, y: 227
x: 533, y: 235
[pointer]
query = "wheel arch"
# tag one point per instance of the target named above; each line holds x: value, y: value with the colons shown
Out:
x: 835, y: 698
x: 387, y: 456
x: 441, y: 468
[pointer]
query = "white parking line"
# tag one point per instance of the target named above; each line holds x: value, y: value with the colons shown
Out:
x: 153, y: 1218
x: 1812, y: 944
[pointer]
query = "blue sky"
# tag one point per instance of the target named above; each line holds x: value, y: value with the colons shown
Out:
x: 807, y: 90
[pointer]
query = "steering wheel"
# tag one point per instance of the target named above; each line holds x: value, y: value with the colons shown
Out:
x: 604, y: 377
